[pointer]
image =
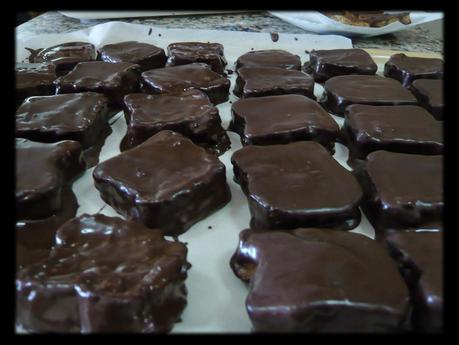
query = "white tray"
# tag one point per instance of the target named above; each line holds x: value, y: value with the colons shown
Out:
x: 317, y: 22
x: 215, y: 296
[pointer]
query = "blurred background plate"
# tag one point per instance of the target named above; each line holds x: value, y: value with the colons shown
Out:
x: 314, y: 21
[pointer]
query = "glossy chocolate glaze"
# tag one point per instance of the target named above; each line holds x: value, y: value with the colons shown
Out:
x: 176, y: 79
x: 269, y: 58
x: 79, y: 116
x: 429, y: 93
x: 35, y: 237
x: 321, y: 281
x: 406, y: 69
x: 272, y: 81
x: 104, y: 275
x: 324, y: 64
x: 41, y: 172
x: 281, y: 120
x: 64, y: 56
x: 403, y: 128
x: 166, y: 182
x: 114, y: 80
x: 147, y: 56
x: 420, y: 258
x: 342, y: 91
x: 183, y: 53
x: 295, y: 185
x: 402, y: 190
x: 191, y: 114
x: 34, y: 79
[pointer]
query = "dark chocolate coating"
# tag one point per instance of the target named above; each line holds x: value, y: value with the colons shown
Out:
x: 429, y: 93
x: 80, y: 116
x: 320, y: 281
x: 35, y: 237
x: 190, y: 114
x: 325, y: 64
x: 297, y: 185
x: 403, y: 128
x: 269, y: 58
x: 281, y: 120
x: 183, y: 53
x: 272, y: 81
x: 342, y: 91
x: 420, y: 258
x: 406, y: 69
x: 114, y: 80
x: 34, y: 80
x: 64, y: 56
x: 104, y: 275
x: 166, y: 182
x: 147, y: 56
x: 176, y: 79
x: 402, y: 190
x: 41, y: 172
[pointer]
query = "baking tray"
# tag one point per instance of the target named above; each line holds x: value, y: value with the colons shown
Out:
x: 215, y: 296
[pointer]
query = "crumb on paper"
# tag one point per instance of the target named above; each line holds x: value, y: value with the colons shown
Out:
x: 296, y: 38
x: 274, y: 36
x: 159, y: 35
x: 150, y: 31
x: 230, y: 71
x: 209, y: 227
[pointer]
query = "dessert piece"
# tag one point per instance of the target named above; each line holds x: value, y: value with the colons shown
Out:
x: 397, y: 128
x: 297, y: 185
x: 79, y: 116
x: 269, y: 58
x: 374, y: 19
x: 104, y: 275
x: 429, y: 93
x: 420, y: 259
x: 44, y: 198
x: 176, y: 79
x: 402, y: 190
x: 64, y: 56
x: 82, y: 117
x: 271, y: 81
x: 324, y: 64
x: 341, y: 91
x: 147, y: 56
x: 184, y: 53
x: 190, y: 113
x: 166, y: 182
x: 281, y: 120
x: 115, y: 80
x: 406, y: 69
x: 321, y: 281
x: 34, y: 80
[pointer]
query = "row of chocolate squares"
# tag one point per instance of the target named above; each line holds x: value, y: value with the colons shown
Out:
x: 108, y: 275
x: 260, y: 73
x: 269, y: 120
x: 170, y: 183
x: 322, y: 64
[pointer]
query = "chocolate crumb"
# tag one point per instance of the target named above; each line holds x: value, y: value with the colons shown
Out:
x: 150, y: 31
x: 159, y: 35
x: 296, y: 39
x: 209, y: 227
x: 251, y: 48
x: 231, y: 102
x: 274, y: 36
x: 306, y: 51
x: 230, y: 71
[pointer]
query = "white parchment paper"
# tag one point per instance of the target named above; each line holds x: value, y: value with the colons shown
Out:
x: 215, y: 296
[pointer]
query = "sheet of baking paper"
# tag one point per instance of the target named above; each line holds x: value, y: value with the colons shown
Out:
x: 85, y: 15
x: 215, y: 296
x: 317, y: 22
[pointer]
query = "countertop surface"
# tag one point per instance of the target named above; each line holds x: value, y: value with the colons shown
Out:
x: 423, y: 38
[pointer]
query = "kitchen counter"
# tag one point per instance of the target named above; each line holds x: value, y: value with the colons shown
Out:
x: 423, y: 38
